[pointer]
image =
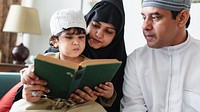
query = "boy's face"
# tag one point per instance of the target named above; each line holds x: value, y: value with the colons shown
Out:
x: 71, y: 45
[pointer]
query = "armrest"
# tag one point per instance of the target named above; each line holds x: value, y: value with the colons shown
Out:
x: 7, y: 81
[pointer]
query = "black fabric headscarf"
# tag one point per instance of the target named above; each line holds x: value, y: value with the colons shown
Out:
x: 110, y: 11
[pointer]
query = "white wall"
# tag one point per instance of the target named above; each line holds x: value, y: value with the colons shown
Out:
x: 194, y: 27
x: 133, y: 30
x: 133, y: 33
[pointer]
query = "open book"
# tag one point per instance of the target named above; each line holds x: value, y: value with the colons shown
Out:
x: 63, y: 77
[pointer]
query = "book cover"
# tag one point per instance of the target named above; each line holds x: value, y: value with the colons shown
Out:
x: 63, y: 77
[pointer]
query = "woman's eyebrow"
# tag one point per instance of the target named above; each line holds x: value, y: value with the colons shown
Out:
x: 109, y: 27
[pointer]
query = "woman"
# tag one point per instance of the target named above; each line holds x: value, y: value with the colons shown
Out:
x: 112, y: 12
x: 105, y: 40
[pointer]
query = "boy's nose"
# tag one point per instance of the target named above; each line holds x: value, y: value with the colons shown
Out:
x: 75, y: 42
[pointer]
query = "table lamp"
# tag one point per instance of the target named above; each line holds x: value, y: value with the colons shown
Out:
x: 22, y: 20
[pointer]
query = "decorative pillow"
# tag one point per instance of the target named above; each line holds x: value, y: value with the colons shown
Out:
x: 7, y: 100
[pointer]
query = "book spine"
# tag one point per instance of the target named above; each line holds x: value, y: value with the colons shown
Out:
x: 76, y: 80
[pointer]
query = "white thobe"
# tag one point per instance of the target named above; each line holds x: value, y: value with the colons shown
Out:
x: 163, y: 80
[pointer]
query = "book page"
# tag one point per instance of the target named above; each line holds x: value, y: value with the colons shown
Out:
x: 66, y: 63
x: 98, y: 61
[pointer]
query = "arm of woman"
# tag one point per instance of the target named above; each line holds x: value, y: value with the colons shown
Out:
x: 106, y: 93
x: 33, y: 87
x: 82, y: 96
x: 104, y: 90
x: 33, y: 93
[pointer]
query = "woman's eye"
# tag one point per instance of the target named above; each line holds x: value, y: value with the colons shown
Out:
x: 96, y: 25
x: 110, y: 32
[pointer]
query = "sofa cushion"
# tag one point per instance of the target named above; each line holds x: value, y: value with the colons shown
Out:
x: 7, y: 100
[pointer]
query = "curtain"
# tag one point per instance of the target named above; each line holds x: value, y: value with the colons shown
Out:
x: 7, y: 40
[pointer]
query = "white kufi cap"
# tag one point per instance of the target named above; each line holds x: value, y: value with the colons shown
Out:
x: 66, y: 18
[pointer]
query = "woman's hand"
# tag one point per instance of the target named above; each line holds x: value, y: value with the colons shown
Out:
x: 34, y: 88
x: 83, y: 96
x: 33, y: 93
x: 104, y: 90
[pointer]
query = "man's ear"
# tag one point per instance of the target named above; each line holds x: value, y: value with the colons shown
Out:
x: 183, y: 18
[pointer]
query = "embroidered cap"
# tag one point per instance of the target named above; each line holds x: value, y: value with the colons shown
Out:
x: 66, y: 18
x: 173, y: 5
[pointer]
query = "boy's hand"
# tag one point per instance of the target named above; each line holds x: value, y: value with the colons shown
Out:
x: 104, y: 90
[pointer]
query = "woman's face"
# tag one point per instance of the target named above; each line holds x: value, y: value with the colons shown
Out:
x: 101, y: 34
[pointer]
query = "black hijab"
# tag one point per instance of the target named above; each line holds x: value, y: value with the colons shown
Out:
x: 110, y: 11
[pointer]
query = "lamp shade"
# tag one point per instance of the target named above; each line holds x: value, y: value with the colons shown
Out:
x: 22, y: 19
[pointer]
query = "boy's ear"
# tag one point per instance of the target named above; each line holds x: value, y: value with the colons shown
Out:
x: 183, y: 17
x: 54, y: 42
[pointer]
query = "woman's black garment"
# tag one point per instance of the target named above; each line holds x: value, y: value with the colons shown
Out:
x: 110, y: 11
x: 51, y: 49
x: 18, y: 95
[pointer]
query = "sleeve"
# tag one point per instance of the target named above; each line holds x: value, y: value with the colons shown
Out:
x: 22, y: 71
x: 19, y: 91
x: 132, y: 100
x: 18, y: 94
x: 108, y: 102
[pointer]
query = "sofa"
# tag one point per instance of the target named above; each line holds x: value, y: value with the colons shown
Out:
x: 7, y: 81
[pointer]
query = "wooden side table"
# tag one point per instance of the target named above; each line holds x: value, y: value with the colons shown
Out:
x: 8, y: 67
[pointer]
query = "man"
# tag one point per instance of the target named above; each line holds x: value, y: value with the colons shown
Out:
x: 164, y: 75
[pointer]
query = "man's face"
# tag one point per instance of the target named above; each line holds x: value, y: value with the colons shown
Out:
x: 159, y: 29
